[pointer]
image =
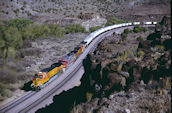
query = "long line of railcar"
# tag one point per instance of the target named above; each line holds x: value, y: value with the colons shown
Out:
x: 45, y: 76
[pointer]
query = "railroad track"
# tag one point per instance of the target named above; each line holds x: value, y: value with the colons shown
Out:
x: 16, y: 101
x: 32, y: 101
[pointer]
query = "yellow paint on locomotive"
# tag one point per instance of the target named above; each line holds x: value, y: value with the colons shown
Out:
x: 78, y: 52
x: 43, y: 77
x: 55, y: 71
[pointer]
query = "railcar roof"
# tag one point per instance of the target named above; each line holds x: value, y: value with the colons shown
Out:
x: 52, y: 67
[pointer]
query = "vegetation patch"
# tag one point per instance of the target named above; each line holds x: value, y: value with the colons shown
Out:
x: 14, y: 32
x: 74, y: 28
x: 139, y: 29
x: 92, y: 29
x: 139, y: 38
x: 113, y: 21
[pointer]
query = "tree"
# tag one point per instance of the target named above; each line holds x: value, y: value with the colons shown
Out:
x: 13, y: 37
x: 10, y: 40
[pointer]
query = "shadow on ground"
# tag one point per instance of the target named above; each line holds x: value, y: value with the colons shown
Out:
x: 64, y: 102
x: 26, y: 86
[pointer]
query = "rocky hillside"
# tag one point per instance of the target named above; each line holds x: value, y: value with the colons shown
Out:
x: 66, y: 11
x: 135, y: 78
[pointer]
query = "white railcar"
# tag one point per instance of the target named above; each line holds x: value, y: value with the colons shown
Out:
x: 147, y: 23
x: 154, y: 22
x: 136, y: 23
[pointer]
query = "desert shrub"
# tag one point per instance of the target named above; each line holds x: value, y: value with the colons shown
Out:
x: 19, y: 23
x: 113, y: 21
x: 92, y: 29
x: 22, y: 8
x: 140, y: 53
x: 126, y: 31
x: 16, y: 11
x: 122, y: 57
x: 139, y: 38
x: 123, y: 36
x: 139, y: 29
x: 88, y: 96
x: 56, y: 30
x: 74, y: 28
x: 24, y: 3
x: 114, y: 33
x: 27, y: 33
x: 38, y: 31
x: 160, y: 47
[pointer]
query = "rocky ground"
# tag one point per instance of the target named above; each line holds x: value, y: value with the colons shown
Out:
x: 135, y: 78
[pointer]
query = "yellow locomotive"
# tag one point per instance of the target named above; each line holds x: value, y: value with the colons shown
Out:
x: 42, y: 78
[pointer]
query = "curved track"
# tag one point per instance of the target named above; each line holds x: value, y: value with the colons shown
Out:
x: 32, y: 101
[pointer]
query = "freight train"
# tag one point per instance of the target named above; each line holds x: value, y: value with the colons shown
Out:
x: 45, y: 76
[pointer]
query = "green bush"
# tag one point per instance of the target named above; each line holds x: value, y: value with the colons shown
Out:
x: 113, y: 21
x: 27, y: 33
x: 13, y: 37
x: 114, y: 33
x: 126, y: 31
x: 139, y: 38
x: 123, y: 36
x: 160, y: 47
x: 19, y: 23
x: 92, y: 29
x: 38, y: 31
x: 55, y: 30
x: 74, y: 28
x: 10, y: 39
x: 139, y: 29
x: 140, y: 53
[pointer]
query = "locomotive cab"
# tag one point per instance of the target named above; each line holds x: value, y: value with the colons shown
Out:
x: 83, y: 44
x: 38, y: 80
